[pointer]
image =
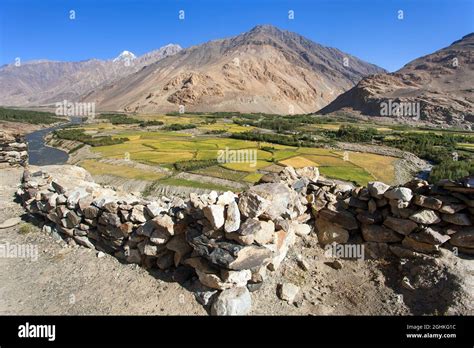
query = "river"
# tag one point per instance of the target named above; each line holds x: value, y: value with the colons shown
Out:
x: 39, y: 153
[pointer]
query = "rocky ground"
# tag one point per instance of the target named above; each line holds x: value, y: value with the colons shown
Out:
x: 76, y: 280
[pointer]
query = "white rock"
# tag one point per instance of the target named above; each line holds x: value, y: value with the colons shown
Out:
x: 235, y: 301
x: 288, y: 292
x: 215, y: 215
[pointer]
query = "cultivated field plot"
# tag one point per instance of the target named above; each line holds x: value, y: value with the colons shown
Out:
x: 165, y: 148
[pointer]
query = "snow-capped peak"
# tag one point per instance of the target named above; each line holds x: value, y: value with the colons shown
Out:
x: 125, y: 55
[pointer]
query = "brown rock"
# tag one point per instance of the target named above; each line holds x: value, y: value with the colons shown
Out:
x: 421, y: 247
x: 427, y: 202
x: 463, y: 238
x: 341, y: 218
x: 328, y: 232
x: 457, y: 219
x: 379, y: 234
x: 401, y: 226
x: 250, y: 257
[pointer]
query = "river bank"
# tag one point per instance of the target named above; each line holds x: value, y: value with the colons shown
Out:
x: 39, y: 152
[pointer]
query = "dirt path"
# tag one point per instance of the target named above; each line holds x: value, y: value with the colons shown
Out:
x: 74, y: 280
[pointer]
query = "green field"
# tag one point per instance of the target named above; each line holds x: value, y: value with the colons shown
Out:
x: 157, y: 147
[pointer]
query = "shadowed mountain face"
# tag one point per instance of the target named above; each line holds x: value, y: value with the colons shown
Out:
x: 263, y: 70
x: 45, y: 82
x: 441, y: 84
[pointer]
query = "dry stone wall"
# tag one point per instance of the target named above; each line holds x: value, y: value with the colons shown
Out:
x: 231, y: 241
x: 13, y: 149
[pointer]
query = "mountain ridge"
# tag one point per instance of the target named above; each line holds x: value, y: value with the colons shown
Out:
x: 440, y: 82
x: 43, y: 81
x: 262, y: 70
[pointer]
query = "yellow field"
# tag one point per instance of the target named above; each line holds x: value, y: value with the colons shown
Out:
x: 298, y: 162
x: 381, y: 167
x: 99, y: 168
x: 246, y: 167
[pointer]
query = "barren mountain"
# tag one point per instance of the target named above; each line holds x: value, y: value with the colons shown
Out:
x: 44, y: 82
x: 442, y: 83
x: 263, y: 70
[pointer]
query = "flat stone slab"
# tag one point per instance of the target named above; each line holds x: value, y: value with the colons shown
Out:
x: 10, y: 222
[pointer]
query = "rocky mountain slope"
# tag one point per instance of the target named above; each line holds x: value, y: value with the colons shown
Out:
x: 263, y: 70
x: 441, y: 82
x: 45, y: 82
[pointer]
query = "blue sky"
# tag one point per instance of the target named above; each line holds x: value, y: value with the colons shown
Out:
x: 368, y: 29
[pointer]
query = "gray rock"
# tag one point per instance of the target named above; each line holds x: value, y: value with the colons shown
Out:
x: 154, y: 209
x: 251, y: 205
x: 377, y: 189
x: 73, y: 218
x: 451, y: 208
x: 226, y: 198
x: 288, y: 292
x: 427, y: 202
x: 232, y: 221
x: 110, y: 207
x: 84, y: 241
x: 138, y: 214
x: 109, y: 219
x: 426, y: 217
x: 235, y: 301
x: 250, y: 257
x: 10, y: 222
x: 310, y: 173
x: 164, y: 223
x: 301, y: 229
x: 399, y: 193
x: 91, y: 212
x: 430, y: 236
x: 278, y: 196
x: 203, y: 294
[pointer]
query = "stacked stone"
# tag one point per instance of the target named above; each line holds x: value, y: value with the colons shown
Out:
x: 406, y: 220
x: 13, y: 149
x: 228, y: 241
